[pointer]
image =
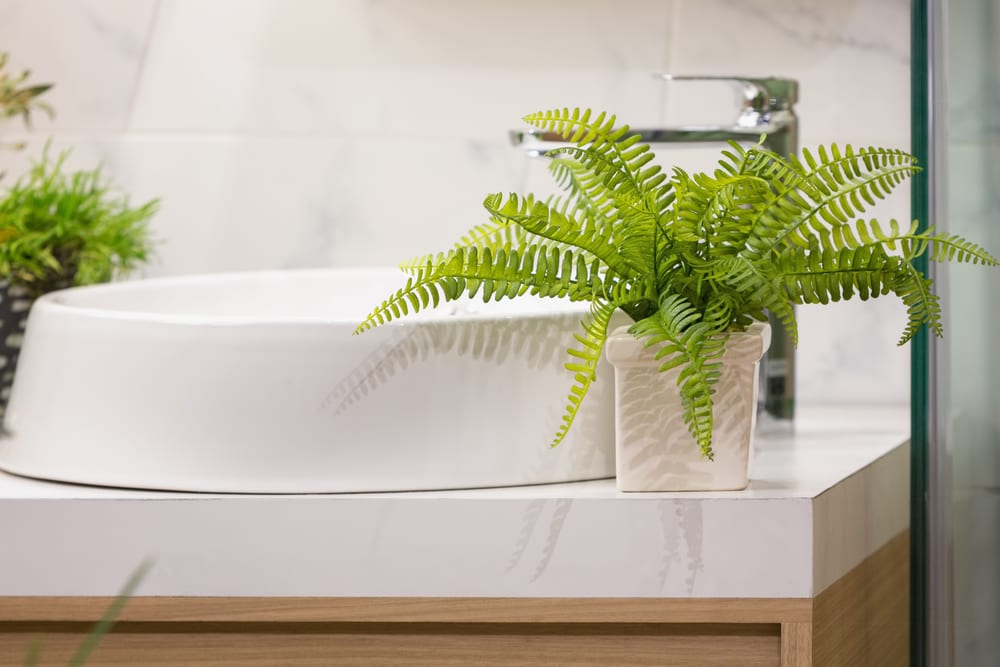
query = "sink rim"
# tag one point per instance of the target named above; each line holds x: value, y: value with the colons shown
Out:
x: 61, y: 301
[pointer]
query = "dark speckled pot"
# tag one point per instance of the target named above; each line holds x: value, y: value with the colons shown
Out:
x: 15, y: 302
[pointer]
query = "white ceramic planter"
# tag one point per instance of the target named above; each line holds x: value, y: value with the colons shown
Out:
x: 654, y: 450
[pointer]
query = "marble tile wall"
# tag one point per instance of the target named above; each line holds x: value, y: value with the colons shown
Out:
x: 299, y: 133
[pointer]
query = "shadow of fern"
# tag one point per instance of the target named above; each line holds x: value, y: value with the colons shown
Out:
x: 654, y: 421
x: 539, y: 342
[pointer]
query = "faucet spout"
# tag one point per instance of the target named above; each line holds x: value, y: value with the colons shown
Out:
x: 766, y: 107
x: 780, y: 131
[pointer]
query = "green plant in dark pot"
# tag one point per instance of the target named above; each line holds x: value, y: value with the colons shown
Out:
x: 692, y: 259
x: 60, y: 228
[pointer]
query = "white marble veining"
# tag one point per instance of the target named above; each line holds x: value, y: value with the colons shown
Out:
x: 849, y: 349
x: 842, y: 474
x: 361, y: 132
x: 396, y: 67
x: 851, y: 59
x: 92, y: 49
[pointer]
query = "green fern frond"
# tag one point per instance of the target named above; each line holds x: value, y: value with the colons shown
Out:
x: 922, y: 305
x: 538, y: 269
x: 943, y: 247
x: 854, y: 259
x: 691, y: 345
x: 598, y: 176
x: 733, y: 159
x: 840, y: 186
x: 583, y: 361
x: 717, y: 213
x: 785, y: 174
x: 754, y: 286
x: 629, y: 161
x: 870, y: 232
x: 947, y: 248
x: 636, y: 190
x: 540, y: 220
x: 721, y: 311
x: 631, y: 223
x: 823, y: 275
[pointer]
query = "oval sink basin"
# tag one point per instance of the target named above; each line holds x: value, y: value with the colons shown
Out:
x: 254, y: 383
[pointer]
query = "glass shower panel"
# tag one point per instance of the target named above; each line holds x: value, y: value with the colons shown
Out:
x: 968, y: 368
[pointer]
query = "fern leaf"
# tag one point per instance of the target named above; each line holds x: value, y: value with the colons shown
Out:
x: 625, y: 157
x: 691, y: 345
x: 951, y: 248
x: 548, y: 223
x: 922, y: 305
x: 942, y: 247
x: 754, y: 286
x: 583, y: 361
x: 822, y: 275
x: 623, y: 182
x: 840, y: 186
x: 538, y: 269
x: 716, y: 213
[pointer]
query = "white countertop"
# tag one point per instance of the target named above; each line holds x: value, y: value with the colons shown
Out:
x: 842, y: 477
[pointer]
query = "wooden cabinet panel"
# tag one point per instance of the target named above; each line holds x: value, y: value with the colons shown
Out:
x: 862, y: 619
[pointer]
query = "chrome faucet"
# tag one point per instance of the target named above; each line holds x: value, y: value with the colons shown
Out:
x: 765, y: 108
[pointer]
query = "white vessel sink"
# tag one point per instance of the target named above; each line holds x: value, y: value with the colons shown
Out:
x: 254, y: 383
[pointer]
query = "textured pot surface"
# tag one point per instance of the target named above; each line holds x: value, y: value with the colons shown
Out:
x: 255, y: 383
x: 14, y: 306
x: 653, y: 447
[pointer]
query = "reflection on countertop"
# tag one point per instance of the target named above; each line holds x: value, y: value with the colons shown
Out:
x: 824, y: 496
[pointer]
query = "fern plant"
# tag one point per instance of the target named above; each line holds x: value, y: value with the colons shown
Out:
x: 690, y: 258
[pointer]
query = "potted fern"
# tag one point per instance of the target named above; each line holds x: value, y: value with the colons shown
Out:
x: 57, y: 229
x: 694, y: 260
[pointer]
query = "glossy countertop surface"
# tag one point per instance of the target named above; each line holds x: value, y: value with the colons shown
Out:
x: 823, y: 496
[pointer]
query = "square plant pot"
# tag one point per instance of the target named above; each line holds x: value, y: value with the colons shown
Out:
x: 654, y: 449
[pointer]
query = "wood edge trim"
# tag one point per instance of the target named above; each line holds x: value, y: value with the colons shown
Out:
x: 796, y: 644
x: 403, y: 610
